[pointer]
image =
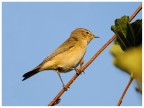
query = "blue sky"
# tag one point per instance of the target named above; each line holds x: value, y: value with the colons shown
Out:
x: 31, y: 31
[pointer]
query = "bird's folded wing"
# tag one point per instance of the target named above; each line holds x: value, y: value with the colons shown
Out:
x: 68, y: 44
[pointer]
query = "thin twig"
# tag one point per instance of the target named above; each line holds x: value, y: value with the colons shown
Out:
x: 53, y: 102
x: 135, y: 13
x: 124, y: 92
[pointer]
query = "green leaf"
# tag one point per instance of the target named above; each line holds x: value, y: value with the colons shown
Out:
x: 127, y: 48
x: 121, y: 25
x: 129, y: 61
x: 137, y: 27
x: 120, y: 28
x: 129, y: 35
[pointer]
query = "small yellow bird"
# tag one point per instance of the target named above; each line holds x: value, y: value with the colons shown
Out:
x: 67, y: 56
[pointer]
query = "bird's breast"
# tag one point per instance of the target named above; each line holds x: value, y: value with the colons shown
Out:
x: 70, y: 58
x: 66, y: 60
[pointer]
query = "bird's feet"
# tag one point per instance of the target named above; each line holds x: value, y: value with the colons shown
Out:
x: 78, y: 71
x: 56, y: 102
x: 65, y: 88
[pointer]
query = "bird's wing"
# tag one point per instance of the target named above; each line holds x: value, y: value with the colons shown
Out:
x: 68, y: 44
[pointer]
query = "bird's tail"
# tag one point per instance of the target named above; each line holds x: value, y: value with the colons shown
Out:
x: 30, y: 73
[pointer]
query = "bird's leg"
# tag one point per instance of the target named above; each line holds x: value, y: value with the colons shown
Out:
x: 61, y: 80
x: 81, y: 64
x: 77, y: 70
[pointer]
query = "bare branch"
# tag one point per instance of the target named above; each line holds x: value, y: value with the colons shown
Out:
x: 124, y: 92
x: 135, y: 13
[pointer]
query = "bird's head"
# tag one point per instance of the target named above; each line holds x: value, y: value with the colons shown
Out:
x: 83, y: 35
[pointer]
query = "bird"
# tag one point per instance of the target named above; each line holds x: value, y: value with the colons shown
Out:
x: 67, y: 56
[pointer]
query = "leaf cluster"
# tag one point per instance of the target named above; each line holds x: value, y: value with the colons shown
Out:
x: 129, y: 34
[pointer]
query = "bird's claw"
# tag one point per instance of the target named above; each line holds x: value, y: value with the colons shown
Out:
x: 56, y: 102
x: 77, y: 71
x: 65, y: 88
x: 83, y: 72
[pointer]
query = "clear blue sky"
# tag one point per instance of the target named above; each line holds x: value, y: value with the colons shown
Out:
x: 31, y: 31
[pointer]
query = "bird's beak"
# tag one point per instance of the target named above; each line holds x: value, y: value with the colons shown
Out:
x: 96, y: 36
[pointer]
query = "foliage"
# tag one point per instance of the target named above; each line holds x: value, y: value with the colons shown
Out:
x: 127, y: 48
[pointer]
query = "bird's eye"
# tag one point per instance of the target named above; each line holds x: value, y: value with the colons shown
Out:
x: 87, y: 32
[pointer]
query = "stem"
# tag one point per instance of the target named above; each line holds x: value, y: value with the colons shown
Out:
x: 124, y: 92
x: 135, y: 13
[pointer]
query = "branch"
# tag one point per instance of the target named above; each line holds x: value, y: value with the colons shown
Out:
x: 56, y: 100
x: 135, y: 13
x: 124, y: 92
